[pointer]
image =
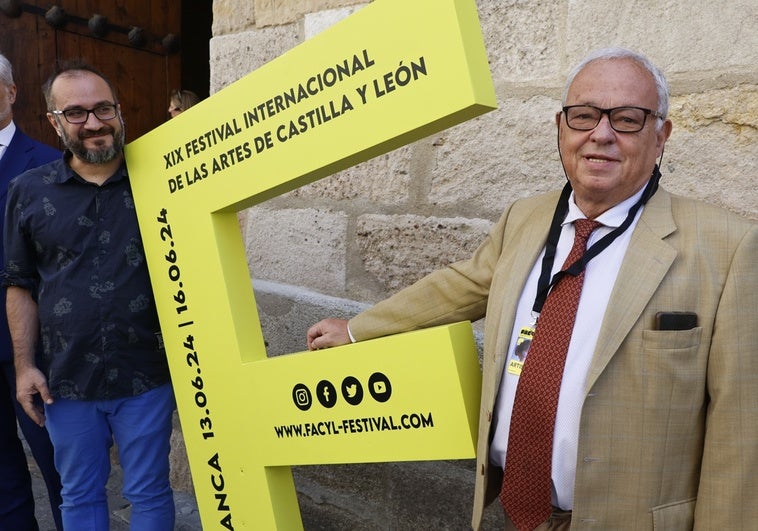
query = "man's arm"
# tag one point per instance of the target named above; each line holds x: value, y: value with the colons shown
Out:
x: 454, y: 293
x: 24, y: 327
x: 729, y: 475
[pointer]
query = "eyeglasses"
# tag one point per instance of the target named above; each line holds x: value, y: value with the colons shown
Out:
x: 622, y: 119
x: 80, y: 116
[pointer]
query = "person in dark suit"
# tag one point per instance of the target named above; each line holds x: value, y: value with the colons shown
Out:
x: 19, y: 153
x: 656, y: 422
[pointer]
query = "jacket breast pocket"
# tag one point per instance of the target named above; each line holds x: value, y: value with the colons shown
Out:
x: 674, y: 516
x: 672, y: 373
x: 671, y: 341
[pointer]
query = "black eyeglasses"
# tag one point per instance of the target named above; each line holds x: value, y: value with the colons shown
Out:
x: 622, y: 119
x: 80, y: 116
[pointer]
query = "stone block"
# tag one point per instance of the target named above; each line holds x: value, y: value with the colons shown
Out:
x: 305, y: 247
x: 383, y: 180
x: 483, y: 165
x: 736, y: 107
x: 680, y: 36
x: 711, y: 154
x: 398, y: 250
x: 268, y: 12
x: 523, y: 39
x: 315, y: 23
x: 234, y: 56
x: 232, y: 16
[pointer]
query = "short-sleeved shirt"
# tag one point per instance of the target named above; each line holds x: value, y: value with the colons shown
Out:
x: 77, y: 247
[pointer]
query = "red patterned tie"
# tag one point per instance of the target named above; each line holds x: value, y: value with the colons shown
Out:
x: 526, y: 490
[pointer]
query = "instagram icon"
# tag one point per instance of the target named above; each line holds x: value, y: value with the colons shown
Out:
x: 301, y: 396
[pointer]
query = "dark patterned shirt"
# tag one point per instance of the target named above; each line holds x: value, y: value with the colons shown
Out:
x: 78, y: 247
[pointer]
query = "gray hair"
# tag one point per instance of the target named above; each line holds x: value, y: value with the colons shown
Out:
x: 6, y: 71
x: 604, y: 54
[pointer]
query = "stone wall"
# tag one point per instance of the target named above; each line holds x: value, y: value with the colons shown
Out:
x: 332, y: 247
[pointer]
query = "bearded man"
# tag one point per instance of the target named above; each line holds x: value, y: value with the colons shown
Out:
x: 77, y: 279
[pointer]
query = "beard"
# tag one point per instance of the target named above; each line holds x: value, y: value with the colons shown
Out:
x: 100, y: 155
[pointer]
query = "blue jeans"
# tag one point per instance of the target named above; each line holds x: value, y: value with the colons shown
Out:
x: 83, y: 433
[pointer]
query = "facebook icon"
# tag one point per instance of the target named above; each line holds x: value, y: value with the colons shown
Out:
x: 326, y: 393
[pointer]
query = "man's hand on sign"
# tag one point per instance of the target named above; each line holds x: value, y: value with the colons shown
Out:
x: 328, y: 333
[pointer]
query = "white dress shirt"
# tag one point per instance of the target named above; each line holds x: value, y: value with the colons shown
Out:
x: 6, y: 135
x: 600, y: 276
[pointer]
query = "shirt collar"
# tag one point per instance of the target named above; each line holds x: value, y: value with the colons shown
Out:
x: 6, y: 133
x: 613, y: 217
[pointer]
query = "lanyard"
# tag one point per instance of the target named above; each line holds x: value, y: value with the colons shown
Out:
x: 545, y: 282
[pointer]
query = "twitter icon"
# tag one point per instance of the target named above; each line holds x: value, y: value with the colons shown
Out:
x: 352, y: 390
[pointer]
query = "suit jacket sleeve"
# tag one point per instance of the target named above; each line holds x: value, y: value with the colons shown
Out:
x: 729, y: 475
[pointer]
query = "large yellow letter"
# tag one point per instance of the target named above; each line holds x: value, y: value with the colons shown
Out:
x: 393, y: 72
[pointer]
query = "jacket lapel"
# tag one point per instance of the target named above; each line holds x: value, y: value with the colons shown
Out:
x: 16, y: 159
x: 530, y: 237
x: 647, y: 260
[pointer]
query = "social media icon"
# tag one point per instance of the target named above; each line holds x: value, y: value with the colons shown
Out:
x: 352, y: 390
x: 326, y: 393
x: 301, y: 396
x: 380, y: 387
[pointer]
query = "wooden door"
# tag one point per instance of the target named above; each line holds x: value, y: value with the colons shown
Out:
x: 143, y: 71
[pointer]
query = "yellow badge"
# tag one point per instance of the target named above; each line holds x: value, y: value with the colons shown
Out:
x: 524, y: 341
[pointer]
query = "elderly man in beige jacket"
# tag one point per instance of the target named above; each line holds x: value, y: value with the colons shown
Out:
x: 656, y: 425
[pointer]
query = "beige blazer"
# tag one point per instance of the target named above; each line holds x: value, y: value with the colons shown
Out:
x: 669, y: 429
